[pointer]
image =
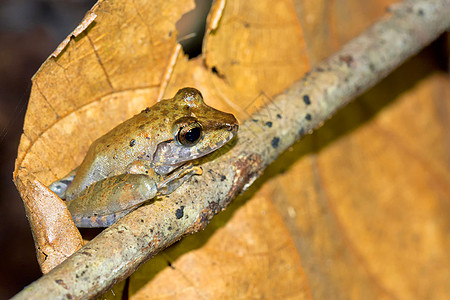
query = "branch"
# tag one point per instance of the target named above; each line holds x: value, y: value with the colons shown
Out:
x: 123, y: 247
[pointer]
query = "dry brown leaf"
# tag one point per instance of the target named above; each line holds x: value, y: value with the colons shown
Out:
x: 328, y: 25
x: 359, y: 210
x: 372, y: 204
x: 54, y: 232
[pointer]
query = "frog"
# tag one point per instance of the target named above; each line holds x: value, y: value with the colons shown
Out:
x: 148, y: 155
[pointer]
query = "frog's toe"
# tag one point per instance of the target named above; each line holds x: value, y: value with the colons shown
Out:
x: 197, y: 171
x: 59, y: 188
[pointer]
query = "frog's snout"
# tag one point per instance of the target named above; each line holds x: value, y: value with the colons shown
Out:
x: 233, y: 128
x: 230, y: 124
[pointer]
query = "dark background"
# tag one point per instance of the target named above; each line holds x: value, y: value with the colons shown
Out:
x: 29, y: 32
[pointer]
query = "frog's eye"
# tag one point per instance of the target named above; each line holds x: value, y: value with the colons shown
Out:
x: 190, y: 134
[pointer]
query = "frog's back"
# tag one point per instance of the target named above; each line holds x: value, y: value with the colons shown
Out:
x: 111, y: 154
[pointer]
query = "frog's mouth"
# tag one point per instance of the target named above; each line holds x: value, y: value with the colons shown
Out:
x: 170, y: 154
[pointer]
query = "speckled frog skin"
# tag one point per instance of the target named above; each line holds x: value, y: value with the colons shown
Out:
x: 145, y: 156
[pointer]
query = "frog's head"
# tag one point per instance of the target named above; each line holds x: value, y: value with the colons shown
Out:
x: 198, y: 131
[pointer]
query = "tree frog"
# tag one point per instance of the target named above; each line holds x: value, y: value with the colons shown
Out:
x: 145, y: 156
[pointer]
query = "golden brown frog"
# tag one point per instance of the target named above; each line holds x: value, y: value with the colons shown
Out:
x: 143, y: 157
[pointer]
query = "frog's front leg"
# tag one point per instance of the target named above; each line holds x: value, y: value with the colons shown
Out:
x: 170, y: 182
x: 107, y: 200
x: 177, y: 178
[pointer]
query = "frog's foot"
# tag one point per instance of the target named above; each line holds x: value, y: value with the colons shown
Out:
x: 100, y: 221
x: 59, y: 187
x: 177, y: 178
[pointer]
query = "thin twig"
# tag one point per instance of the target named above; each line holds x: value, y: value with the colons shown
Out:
x: 363, y: 62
